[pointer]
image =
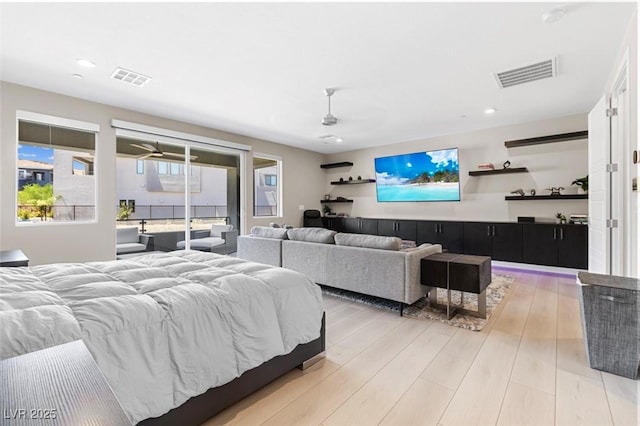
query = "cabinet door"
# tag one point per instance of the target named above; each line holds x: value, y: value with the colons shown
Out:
x: 451, y: 236
x: 386, y: 227
x: 369, y: 226
x: 477, y: 239
x: 403, y: 229
x: 427, y: 232
x: 573, y: 244
x: 351, y: 225
x: 333, y: 223
x: 506, y: 242
x: 540, y: 244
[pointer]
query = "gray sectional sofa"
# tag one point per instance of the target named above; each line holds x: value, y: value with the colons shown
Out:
x: 366, y: 264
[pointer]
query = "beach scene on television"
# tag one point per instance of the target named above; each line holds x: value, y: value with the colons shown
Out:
x: 421, y: 176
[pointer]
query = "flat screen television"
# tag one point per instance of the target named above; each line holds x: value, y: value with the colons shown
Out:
x: 421, y: 176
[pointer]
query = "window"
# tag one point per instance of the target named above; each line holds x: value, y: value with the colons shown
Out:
x: 266, y: 192
x: 175, y: 169
x: 270, y: 180
x: 140, y: 167
x: 56, y: 172
x: 162, y: 168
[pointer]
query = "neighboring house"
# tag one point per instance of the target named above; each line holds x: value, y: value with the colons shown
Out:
x: 152, y: 188
x: 37, y: 172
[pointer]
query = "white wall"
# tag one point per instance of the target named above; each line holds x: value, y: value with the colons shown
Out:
x: 303, y: 180
x: 482, y: 198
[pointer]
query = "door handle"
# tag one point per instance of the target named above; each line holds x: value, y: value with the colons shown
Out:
x: 488, y: 230
x: 555, y: 233
x: 440, y: 228
x: 494, y: 231
x: 562, y: 233
x: 436, y: 225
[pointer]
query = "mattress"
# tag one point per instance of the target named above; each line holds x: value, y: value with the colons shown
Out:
x: 162, y: 327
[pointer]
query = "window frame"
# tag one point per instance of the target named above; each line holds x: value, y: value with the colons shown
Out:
x: 280, y: 191
x: 55, y: 121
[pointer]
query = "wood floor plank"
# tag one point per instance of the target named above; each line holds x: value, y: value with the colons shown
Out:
x: 455, y: 359
x: 622, y: 395
x: 319, y: 402
x: 527, y: 366
x: 377, y: 397
x: 581, y: 401
x: 421, y: 405
x: 526, y: 406
x: 535, y: 364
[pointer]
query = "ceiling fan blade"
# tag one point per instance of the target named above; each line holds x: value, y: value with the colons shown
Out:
x: 145, y: 156
x: 172, y: 154
x: 145, y: 147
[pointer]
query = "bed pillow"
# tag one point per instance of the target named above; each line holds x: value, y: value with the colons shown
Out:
x: 312, y: 235
x: 269, y: 232
x: 368, y: 241
x: 127, y: 235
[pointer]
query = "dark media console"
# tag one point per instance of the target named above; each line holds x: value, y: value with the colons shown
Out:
x: 535, y: 243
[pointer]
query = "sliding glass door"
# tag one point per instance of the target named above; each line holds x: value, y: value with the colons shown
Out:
x: 170, y: 187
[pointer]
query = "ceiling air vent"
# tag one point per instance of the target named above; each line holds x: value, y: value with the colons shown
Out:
x: 533, y: 72
x: 130, y: 77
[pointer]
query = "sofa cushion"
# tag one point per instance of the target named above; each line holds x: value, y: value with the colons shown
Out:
x: 217, y: 230
x: 127, y: 235
x: 368, y: 241
x: 312, y: 235
x: 123, y: 248
x: 269, y: 232
x: 206, y: 243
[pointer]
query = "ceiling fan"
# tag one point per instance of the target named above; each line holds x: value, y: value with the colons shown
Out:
x: 154, y: 151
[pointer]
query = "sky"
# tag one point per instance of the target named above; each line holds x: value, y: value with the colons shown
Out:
x: 35, y: 153
x: 397, y: 169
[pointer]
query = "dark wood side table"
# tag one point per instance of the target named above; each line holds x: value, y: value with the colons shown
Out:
x: 462, y: 272
x: 60, y: 385
x: 13, y: 258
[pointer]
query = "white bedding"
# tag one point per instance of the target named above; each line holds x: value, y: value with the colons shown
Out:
x: 163, y: 327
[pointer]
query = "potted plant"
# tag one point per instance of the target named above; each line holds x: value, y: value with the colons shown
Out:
x: 583, y: 184
x: 326, y: 210
x: 561, y: 219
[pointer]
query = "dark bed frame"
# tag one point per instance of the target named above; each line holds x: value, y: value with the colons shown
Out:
x: 199, y: 409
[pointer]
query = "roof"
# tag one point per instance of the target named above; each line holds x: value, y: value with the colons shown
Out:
x: 30, y: 164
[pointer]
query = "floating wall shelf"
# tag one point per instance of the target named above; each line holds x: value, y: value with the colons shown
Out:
x: 546, y: 197
x: 334, y: 165
x: 353, y: 182
x: 336, y: 201
x: 498, y: 171
x: 547, y: 139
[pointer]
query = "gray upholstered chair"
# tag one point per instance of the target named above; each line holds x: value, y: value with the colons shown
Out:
x: 221, y: 239
x: 129, y: 240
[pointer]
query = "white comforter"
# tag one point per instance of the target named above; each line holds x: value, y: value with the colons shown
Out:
x: 162, y: 327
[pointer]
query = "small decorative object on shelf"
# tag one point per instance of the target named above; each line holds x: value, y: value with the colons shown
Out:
x: 532, y: 192
x: 350, y: 177
x: 327, y: 196
x: 506, y: 164
x: 359, y: 177
x: 341, y: 179
x: 579, y: 219
x: 488, y: 166
x: 518, y: 191
x: 326, y: 209
x: 341, y: 199
x: 561, y: 219
x: 583, y: 184
x: 555, y: 190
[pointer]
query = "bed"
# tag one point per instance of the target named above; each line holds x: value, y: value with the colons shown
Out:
x: 175, y: 334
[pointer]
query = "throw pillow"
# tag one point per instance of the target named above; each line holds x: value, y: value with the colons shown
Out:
x: 368, y: 241
x: 269, y: 232
x: 312, y: 235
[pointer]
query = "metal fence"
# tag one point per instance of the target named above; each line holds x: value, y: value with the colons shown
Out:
x: 59, y: 213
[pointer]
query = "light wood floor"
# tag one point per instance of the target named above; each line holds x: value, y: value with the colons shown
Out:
x: 526, y: 367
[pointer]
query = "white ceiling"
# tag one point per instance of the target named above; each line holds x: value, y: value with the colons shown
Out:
x: 402, y: 71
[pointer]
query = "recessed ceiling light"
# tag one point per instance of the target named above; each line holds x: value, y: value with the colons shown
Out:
x: 489, y: 110
x: 85, y: 63
x: 78, y: 76
x: 554, y: 15
x: 338, y: 140
x: 463, y: 116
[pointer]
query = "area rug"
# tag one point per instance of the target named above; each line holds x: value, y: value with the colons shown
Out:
x: 496, y: 291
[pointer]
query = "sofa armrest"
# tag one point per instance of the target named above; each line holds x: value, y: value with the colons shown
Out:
x: 200, y: 233
x: 148, y: 241
x: 230, y: 241
x: 413, y: 286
